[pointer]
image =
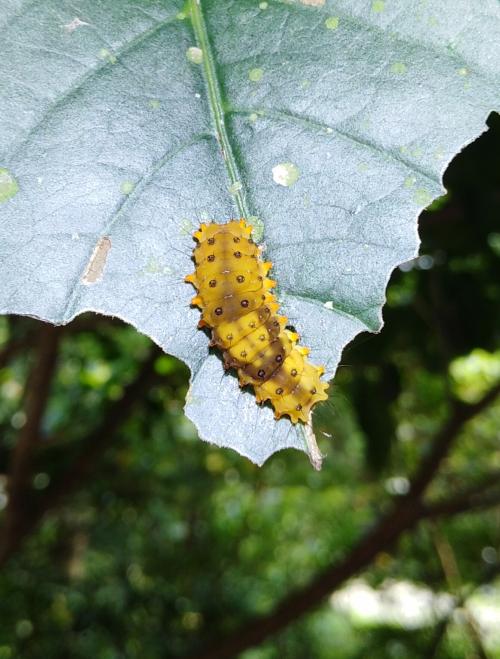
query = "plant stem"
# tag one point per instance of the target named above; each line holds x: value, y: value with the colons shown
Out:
x: 216, y: 105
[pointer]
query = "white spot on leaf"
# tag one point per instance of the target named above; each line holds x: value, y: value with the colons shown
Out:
x: 255, y: 75
x: 127, y: 187
x: 107, y: 55
x: 286, y: 174
x: 398, y: 68
x: 422, y: 197
x: 332, y: 22
x: 74, y: 24
x: 194, y: 55
x: 313, y: 3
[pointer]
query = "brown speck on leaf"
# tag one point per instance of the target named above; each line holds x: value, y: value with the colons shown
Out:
x: 95, y: 267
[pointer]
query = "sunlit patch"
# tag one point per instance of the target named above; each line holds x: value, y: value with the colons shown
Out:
x: 332, y: 22
x: 127, y: 187
x: 255, y: 75
x: 8, y: 185
x: 107, y: 55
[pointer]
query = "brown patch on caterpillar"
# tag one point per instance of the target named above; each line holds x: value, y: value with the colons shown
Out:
x: 233, y: 293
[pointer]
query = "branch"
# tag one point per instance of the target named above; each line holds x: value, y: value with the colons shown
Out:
x: 22, y: 336
x: 476, y: 496
x: 462, y: 504
x: 11, y: 349
x: 405, y: 515
x: 95, y: 446
x: 101, y: 440
x: 445, y: 439
x: 19, y: 483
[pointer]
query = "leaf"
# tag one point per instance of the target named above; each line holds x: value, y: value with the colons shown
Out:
x: 123, y: 125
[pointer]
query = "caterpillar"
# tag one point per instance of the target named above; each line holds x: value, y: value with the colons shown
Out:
x: 233, y: 293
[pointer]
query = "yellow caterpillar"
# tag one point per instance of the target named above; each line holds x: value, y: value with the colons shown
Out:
x: 235, y: 300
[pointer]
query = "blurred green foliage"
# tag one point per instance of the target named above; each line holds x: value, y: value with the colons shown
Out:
x: 171, y: 542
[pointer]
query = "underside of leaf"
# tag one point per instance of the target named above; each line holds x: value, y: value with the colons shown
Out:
x: 328, y: 126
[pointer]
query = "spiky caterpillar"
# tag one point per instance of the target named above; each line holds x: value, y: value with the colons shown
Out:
x: 235, y: 300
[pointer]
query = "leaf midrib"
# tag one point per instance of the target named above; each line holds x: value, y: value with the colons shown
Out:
x: 216, y: 107
x: 214, y: 97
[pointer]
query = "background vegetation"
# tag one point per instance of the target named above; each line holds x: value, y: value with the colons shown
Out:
x: 123, y: 535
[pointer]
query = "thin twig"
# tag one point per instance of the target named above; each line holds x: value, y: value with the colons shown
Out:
x: 490, y: 573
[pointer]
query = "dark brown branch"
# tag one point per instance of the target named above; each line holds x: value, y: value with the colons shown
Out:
x: 102, y: 439
x: 381, y: 538
x: 404, y: 516
x: 20, y: 474
x: 12, y: 349
x: 462, y: 504
x: 95, y: 446
x: 23, y: 335
x: 480, y: 495
x: 445, y: 439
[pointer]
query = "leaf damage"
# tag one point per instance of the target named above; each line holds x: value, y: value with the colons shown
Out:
x: 95, y: 267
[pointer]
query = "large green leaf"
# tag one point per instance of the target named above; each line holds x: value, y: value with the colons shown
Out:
x: 125, y: 123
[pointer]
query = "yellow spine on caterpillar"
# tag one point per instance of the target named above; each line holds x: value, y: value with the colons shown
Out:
x: 233, y: 293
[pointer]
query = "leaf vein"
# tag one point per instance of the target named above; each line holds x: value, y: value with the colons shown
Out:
x: 122, y: 205
x: 313, y: 124
x: 89, y: 75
